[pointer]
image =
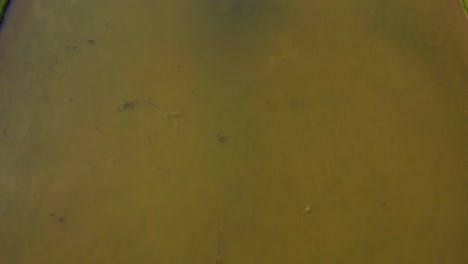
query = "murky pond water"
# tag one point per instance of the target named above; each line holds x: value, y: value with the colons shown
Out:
x: 234, y: 131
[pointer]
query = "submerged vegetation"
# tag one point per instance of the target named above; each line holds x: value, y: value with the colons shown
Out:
x: 465, y: 6
x: 3, y: 7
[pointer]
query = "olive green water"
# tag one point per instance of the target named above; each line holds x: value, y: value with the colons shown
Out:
x: 234, y: 131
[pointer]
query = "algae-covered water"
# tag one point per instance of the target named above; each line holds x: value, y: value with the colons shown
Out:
x: 234, y: 131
